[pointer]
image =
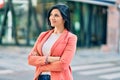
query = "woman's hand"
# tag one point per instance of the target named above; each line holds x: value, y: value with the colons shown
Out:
x: 35, y: 54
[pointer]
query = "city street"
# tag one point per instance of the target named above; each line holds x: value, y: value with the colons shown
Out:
x: 97, y: 71
x: 87, y: 64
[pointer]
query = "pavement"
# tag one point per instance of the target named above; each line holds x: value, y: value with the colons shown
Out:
x: 15, y: 57
x: 94, y: 55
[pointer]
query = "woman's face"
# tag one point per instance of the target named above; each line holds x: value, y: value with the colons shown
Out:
x: 56, y: 18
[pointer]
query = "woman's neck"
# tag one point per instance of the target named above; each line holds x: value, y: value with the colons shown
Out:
x: 58, y: 30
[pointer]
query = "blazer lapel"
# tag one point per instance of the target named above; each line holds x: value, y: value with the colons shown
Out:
x: 62, y: 37
x: 43, y: 41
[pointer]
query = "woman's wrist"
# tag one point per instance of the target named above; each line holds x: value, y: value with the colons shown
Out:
x: 46, y: 60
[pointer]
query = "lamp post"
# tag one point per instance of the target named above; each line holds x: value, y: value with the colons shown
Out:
x: 118, y: 7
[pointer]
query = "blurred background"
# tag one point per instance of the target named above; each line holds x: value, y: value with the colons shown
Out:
x: 95, y: 22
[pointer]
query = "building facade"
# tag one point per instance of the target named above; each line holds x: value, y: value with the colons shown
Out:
x: 102, y: 23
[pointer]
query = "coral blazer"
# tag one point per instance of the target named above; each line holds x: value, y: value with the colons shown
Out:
x: 64, y: 47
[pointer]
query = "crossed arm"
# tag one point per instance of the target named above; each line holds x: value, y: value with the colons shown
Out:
x: 49, y: 59
x: 54, y: 63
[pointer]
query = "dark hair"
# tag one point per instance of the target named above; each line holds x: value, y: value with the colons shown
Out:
x: 65, y: 12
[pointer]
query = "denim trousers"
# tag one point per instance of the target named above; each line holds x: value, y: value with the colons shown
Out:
x: 44, y: 77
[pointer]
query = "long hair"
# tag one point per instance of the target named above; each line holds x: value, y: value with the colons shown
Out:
x: 65, y: 12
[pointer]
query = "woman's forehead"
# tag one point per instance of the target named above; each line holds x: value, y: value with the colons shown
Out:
x: 55, y: 10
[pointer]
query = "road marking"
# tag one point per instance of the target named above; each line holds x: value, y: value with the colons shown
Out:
x: 110, y: 76
x: 99, y: 71
x: 91, y: 66
x: 6, y: 71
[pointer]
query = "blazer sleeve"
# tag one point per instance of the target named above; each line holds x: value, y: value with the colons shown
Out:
x: 65, y: 58
x: 36, y: 60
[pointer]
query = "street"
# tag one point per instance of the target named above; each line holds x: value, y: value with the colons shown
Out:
x: 85, y: 66
x: 97, y: 71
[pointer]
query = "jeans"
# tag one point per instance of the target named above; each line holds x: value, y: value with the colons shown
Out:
x: 44, y: 77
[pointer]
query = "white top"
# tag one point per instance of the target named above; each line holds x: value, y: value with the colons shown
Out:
x: 46, y: 48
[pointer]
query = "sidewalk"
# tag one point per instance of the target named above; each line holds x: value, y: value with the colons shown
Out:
x: 14, y: 57
x: 94, y: 55
x: 13, y: 61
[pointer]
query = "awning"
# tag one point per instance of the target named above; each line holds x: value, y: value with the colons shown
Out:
x: 98, y: 2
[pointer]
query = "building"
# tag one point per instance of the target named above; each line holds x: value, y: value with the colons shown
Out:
x: 21, y: 21
x: 98, y: 23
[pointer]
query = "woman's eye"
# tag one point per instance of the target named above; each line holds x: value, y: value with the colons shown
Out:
x: 56, y: 15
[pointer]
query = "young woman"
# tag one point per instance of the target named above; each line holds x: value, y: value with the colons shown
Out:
x: 54, y: 49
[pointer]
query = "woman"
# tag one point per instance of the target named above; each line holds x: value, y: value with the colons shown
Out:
x: 55, y: 48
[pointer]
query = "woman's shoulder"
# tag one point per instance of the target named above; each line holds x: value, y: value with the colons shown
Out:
x: 72, y: 34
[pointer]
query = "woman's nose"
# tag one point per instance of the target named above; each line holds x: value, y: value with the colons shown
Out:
x: 53, y: 17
